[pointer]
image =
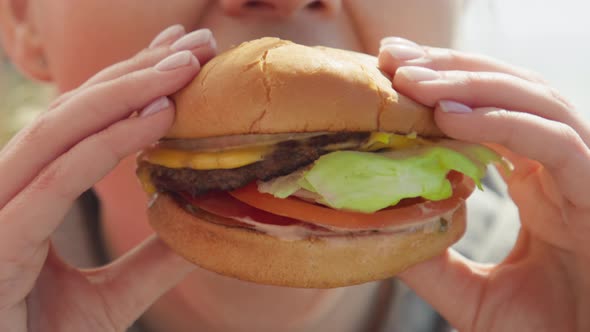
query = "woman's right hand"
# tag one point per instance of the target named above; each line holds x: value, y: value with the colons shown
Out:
x: 63, y: 153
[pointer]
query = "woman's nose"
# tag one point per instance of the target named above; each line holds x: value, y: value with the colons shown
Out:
x: 279, y: 8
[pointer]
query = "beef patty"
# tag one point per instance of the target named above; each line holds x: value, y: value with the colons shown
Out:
x: 287, y: 157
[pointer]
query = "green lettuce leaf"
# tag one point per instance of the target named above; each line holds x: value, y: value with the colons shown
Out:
x: 369, y: 181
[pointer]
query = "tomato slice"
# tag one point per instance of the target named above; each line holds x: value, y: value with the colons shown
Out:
x: 321, y: 215
x: 223, y: 205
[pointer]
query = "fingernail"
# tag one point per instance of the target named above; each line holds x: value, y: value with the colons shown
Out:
x: 213, y: 42
x: 449, y: 106
x: 193, y: 40
x: 404, y: 52
x: 177, y: 60
x: 418, y: 74
x: 155, y: 106
x: 396, y: 40
x: 167, y: 35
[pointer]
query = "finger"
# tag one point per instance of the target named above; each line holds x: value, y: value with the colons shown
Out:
x: 480, y: 90
x: 452, y: 284
x: 398, y: 52
x: 204, y: 48
x: 395, y: 40
x: 530, y: 185
x: 555, y: 145
x: 41, y: 206
x: 135, y: 281
x: 168, y: 36
x: 488, y: 89
x: 109, y: 298
x: 91, y: 111
x: 164, y: 38
x: 201, y: 43
x: 143, y: 60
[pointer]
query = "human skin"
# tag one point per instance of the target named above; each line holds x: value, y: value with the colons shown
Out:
x: 76, y: 40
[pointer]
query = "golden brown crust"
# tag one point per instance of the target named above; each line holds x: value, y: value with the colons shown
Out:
x: 275, y: 86
x: 314, y: 263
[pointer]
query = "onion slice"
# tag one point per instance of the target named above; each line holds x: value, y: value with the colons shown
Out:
x: 232, y: 142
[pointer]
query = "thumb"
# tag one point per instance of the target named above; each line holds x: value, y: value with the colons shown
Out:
x: 133, y: 282
x: 452, y: 284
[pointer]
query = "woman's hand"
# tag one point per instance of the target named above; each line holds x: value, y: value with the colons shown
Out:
x: 82, y: 136
x: 544, y: 284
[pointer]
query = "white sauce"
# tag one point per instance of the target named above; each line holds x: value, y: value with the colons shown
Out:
x: 297, y: 232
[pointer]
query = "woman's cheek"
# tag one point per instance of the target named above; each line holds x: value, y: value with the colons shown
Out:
x: 82, y: 37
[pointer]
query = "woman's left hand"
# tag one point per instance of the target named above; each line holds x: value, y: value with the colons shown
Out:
x: 544, y: 283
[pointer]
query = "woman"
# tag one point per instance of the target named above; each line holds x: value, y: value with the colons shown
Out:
x: 105, y: 54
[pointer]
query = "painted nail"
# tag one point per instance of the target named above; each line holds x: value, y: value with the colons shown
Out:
x: 213, y: 43
x: 167, y: 35
x: 418, y: 74
x: 449, y: 106
x: 155, y: 106
x: 177, y: 60
x: 403, y: 52
x: 193, y: 40
x: 396, y: 40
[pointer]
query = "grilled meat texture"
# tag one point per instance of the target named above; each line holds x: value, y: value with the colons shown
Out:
x: 287, y: 157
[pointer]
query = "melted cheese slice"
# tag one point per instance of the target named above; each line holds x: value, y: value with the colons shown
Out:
x: 227, y: 159
x: 146, y: 181
x: 234, y: 158
x: 380, y: 140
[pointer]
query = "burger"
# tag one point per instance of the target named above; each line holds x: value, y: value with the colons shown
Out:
x: 302, y: 167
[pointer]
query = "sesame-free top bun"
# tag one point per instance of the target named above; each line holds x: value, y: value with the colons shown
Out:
x: 271, y: 85
x: 319, y: 262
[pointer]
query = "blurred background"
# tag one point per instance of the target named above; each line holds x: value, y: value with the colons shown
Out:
x: 547, y: 36
x: 20, y: 99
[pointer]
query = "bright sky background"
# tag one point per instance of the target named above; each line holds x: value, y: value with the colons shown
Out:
x: 549, y: 37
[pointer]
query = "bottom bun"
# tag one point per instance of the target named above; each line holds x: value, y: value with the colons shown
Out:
x: 319, y: 262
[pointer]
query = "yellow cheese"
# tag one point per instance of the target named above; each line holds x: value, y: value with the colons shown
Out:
x: 381, y: 140
x: 146, y: 182
x: 227, y: 159
x: 239, y: 157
